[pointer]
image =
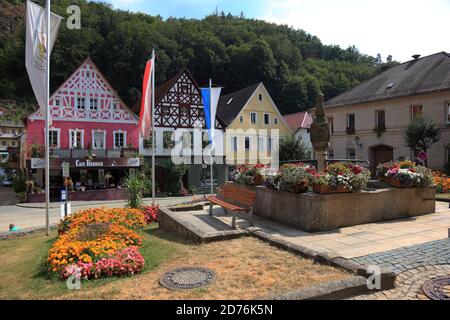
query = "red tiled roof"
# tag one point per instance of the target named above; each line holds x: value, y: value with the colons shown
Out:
x: 298, y: 120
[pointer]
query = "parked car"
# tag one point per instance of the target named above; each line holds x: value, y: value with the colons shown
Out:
x: 7, y: 182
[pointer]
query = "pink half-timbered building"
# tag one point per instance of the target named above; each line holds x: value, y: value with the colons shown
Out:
x: 91, y: 128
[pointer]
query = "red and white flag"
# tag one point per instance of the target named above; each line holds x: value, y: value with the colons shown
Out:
x: 145, y: 118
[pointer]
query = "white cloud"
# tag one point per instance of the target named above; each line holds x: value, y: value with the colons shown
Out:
x: 398, y: 27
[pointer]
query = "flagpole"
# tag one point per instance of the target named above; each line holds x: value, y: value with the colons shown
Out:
x: 47, y: 122
x: 211, y: 127
x: 153, y: 130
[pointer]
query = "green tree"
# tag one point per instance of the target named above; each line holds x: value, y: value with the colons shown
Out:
x: 421, y: 134
x: 292, y: 149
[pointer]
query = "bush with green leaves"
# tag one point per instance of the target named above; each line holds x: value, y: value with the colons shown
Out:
x: 134, y: 190
x: 175, y: 173
x: 19, y: 183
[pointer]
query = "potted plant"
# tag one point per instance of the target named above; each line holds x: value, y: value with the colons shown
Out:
x: 295, y: 178
x: 250, y: 174
x: 342, y: 177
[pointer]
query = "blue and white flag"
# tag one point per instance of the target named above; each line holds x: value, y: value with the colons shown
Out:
x: 210, y: 101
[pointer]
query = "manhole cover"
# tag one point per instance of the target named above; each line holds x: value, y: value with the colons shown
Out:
x: 187, y: 278
x: 437, y: 288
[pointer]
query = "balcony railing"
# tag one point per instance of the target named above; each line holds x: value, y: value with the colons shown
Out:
x: 83, y: 153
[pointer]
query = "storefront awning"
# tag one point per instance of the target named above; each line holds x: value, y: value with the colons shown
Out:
x: 39, y: 163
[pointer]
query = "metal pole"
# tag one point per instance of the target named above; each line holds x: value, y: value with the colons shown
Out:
x: 153, y: 130
x: 47, y: 123
x: 211, y: 126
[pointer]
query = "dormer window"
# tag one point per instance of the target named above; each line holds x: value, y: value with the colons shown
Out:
x: 230, y: 101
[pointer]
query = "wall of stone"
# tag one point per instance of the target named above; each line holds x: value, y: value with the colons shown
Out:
x: 315, y: 212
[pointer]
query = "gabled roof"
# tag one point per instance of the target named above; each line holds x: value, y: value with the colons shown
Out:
x: 299, y: 120
x: 231, y: 104
x: 424, y: 75
x: 161, y: 91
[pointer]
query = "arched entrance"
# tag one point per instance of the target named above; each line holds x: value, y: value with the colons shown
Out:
x: 381, y: 154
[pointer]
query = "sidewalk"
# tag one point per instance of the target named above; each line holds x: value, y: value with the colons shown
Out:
x: 75, y: 204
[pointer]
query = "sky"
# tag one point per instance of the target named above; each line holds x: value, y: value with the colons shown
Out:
x: 400, y: 28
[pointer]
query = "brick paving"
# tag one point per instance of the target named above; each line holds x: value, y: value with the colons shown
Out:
x: 409, y: 284
x: 399, y: 260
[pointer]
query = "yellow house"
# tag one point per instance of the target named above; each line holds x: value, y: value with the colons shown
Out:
x: 254, y: 126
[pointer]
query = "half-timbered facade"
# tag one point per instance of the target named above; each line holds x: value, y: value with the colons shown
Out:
x: 91, y: 128
x: 179, y: 105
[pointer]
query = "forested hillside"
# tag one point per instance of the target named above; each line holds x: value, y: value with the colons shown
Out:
x: 234, y: 51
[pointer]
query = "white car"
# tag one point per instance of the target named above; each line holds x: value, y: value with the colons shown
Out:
x: 7, y: 182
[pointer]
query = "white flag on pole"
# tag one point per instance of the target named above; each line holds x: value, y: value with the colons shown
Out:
x: 36, y: 40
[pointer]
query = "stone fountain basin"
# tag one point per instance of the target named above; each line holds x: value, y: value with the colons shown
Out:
x: 323, y: 212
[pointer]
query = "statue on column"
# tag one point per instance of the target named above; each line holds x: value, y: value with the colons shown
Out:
x: 320, y: 134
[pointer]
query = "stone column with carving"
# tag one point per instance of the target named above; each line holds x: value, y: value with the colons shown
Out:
x: 320, y: 134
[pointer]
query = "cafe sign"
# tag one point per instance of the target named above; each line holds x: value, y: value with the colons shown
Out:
x: 88, y: 163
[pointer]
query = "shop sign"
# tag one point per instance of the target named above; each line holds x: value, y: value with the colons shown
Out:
x: 37, y: 163
x: 88, y: 163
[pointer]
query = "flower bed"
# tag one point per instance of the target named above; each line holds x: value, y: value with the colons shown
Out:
x: 405, y: 174
x: 100, y: 242
x: 341, y: 177
x: 250, y: 174
x: 295, y: 178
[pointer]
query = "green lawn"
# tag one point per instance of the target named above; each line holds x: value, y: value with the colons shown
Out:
x: 24, y: 274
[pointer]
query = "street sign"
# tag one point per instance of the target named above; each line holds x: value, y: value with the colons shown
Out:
x: 65, y: 169
x: 63, y: 195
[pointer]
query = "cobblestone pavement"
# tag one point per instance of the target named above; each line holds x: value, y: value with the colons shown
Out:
x: 400, y: 260
x: 408, y: 285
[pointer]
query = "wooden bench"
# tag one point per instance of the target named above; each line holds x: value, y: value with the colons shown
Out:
x: 234, y: 198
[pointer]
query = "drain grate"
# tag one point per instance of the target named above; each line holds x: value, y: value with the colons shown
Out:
x: 437, y: 288
x: 186, y: 278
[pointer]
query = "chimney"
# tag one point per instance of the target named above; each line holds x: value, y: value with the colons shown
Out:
x: 416, y: 56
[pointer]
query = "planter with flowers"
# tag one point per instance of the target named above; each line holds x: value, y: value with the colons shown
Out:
x: 250, y: 174
x: 295, y: 178
x: 341, y: 177
x: 407, y: 175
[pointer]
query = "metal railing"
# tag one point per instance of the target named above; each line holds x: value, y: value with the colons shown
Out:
x: 83, y: 153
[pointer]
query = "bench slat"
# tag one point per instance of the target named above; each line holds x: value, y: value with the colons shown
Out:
x: 227, y: 205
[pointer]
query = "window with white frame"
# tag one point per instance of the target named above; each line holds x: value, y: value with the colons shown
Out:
x: 266, y: 118
x: 53, y: 138
x: 247, y: 143
x: 253, y: 117
x: 119, y: 139
x: 93, y: 104
x: 234, y: 143
x: 98, y: 139
x: 81, y: 103
x: 76, y: 139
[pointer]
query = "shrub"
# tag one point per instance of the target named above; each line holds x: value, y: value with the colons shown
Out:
x: 151, y: 214
x: 20, y: 183
x: 175, y: 173
x: 134, y: 190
